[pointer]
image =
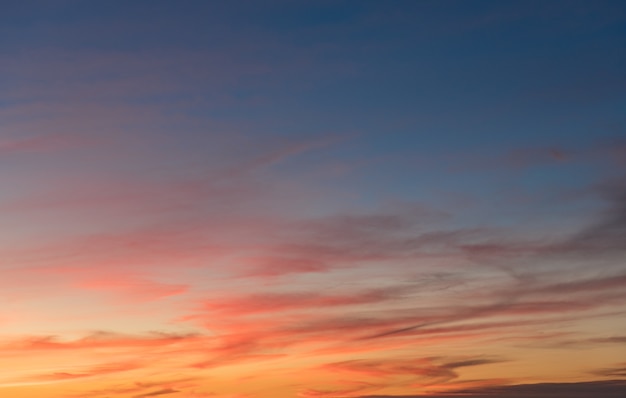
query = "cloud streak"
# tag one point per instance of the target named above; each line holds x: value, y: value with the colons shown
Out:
x: 611, y: 388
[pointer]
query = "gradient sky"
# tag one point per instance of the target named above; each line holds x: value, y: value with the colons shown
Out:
x: 314, y: 199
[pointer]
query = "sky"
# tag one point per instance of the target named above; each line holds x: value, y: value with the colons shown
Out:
x: 312, y: 198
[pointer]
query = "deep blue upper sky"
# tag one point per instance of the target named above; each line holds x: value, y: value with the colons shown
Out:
x: 411, y: 79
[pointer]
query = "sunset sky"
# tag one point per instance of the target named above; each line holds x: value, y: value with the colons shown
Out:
x: 312, y: 198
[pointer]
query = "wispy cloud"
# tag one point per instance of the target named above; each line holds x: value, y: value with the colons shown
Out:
x: 95, y: 371
x: 618, y: 371
x: 155, y: 393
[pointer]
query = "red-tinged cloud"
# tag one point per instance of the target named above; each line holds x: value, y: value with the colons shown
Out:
x: 248, y: 326
x: 268, y: 339
x: 97, y: 340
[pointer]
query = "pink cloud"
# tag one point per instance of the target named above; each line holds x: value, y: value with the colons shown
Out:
x: 98, y: 340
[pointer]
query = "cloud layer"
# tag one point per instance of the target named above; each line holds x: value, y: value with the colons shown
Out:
x: 321, y: 199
